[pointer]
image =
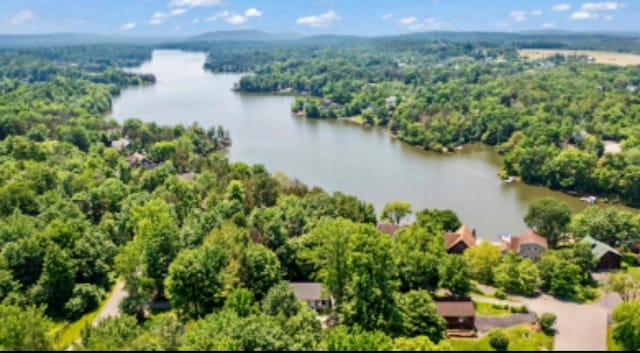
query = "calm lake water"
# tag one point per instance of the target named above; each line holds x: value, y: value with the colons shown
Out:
x: 334, y: 155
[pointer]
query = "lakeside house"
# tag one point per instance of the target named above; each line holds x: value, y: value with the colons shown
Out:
x: 311, y: 292
x: 607, y: 257
x: 388, y: 228
x: 460, y: 240
x: 529, y: 245
x: 459, y: 315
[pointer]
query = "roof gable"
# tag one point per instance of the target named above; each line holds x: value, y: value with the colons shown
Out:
x: 598, y: 248
x: 463, y: 234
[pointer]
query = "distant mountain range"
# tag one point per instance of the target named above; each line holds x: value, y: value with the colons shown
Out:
x: 64, y: 39
x: 248, y: 35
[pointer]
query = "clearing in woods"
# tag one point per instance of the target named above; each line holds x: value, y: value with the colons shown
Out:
x: 601, y: 57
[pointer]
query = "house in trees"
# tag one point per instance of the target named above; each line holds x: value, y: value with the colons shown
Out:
x: 311, y: 292
x: 137, y: 158
x: 460, y: 240
x: 607, y: 257
x: 120, y: 144
x: 388, y: 228
x: 529, y: 245
x: 459, y: 315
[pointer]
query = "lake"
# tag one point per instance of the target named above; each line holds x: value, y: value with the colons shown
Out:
x: 334, y: 155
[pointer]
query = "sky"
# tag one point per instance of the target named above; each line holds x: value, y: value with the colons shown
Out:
x: 358, y: 17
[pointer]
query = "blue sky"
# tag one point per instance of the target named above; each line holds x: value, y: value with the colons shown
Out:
x: 361, y: 17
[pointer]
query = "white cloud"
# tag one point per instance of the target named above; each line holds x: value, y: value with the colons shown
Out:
x: 583, y: 15
x: 194, y: 3
x: 518, y: 15
x: 233, y: 18
x: 414, y: 24
x: 128, y: 26
x: 407, y: 21
x: 157, y: 18
x: 548, y: 25
x: 195, y: 21
x: 601, y: 6
x: 536, y: 12
x: 22, y: 17
x: 561, y: 7
x: 253, y: 12
x: 222, y: 14
x: 608, y: 18
x: 236, y: 19
x: 387, y: 16
x: 178, y: 12
x: 322, y: 20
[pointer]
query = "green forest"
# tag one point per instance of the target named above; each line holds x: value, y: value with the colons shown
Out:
x: 205, y: 248
x: 553, y: 114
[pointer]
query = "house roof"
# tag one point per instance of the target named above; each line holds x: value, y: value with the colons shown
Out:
x: 455, y: 308
x: 529, y: 237
x: 464, y: 234
x: 599, y: 248
x: 388, y: 228
x: 307, y: 290
x: 136, y: 158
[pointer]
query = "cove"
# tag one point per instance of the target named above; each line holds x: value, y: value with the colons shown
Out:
x: 334, y: 155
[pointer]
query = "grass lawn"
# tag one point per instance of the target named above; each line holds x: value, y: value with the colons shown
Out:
x: 65, y: 333
x: 634, y: 272
x: 611, y: 344
x: 517, y: 340
x: 487, y: 309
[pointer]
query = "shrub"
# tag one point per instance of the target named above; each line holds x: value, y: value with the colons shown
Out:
x: 547, y: 320
x: 500, y: 294
x: 85, y: 298
x: 498, y: 340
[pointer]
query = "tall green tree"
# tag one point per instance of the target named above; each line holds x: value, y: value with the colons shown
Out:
x: 195, y: 280
x: 396, y: 211
x: 550, y: 218
x: 454, y: 274
x: 24, y: 328
x: 419, y: 317
x: 517, y: 275
x: 626, y: 329
x: 483, y: 260
x: 418, y: 252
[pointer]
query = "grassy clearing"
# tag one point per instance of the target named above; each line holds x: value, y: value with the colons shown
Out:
x: 634, y: 272
x: 488, y: 309
x: 521, y: 338
x: 611, y: 344
x: 65, y: 333
x: 602, y: 57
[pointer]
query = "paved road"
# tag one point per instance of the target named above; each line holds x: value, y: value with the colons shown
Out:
x: 112, y: 307
x: 579, y: 327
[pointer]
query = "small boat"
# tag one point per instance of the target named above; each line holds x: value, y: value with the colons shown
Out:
x: 509, y: 180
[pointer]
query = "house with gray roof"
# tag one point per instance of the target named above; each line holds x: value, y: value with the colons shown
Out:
x: 607, y: 257
x: 312, y: 293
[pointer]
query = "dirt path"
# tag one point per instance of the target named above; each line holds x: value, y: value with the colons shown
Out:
x: 112, y: 307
